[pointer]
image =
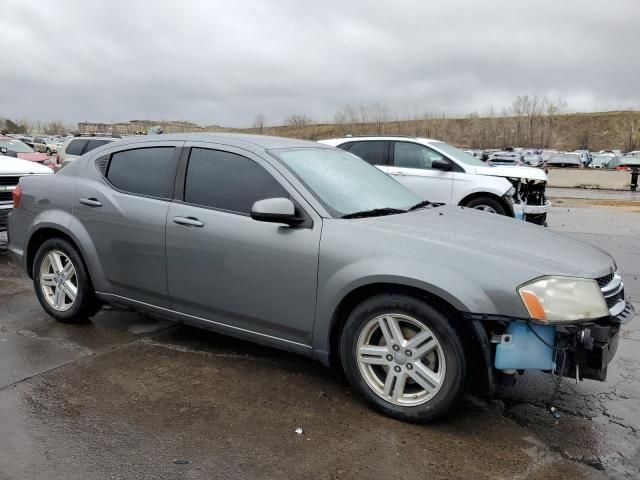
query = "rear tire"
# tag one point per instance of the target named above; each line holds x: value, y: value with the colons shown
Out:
x: 487, y: 204
x: 403, y: 357
x: 62, y: 282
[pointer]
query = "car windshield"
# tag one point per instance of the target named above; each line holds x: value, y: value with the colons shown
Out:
x: 344, y: 183
x: 15, y: 146
x: 458, y: 154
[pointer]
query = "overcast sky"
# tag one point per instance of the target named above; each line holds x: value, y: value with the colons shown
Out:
x: 221, y: 62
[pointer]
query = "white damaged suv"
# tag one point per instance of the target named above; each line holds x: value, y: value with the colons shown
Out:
x: 439, y: 172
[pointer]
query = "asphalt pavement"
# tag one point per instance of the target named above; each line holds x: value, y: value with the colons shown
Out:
x: 129, y: 397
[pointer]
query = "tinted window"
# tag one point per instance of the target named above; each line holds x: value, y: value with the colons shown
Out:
x: 412, y: 155
x: 145, y: 171
x: 374, y: 153
x: 227, y: 181
x: 75, y: 147
x: 95, y: 144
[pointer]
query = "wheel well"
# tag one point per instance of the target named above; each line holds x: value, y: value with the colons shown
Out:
x: 476, y: 362
x: 37, y: 239
x: 508, y: 208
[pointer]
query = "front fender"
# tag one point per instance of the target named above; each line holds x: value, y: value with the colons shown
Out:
x: 446, y: 284
x: 478, y: 184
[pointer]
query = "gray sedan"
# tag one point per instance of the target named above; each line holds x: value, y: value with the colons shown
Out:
x: 307, y: 248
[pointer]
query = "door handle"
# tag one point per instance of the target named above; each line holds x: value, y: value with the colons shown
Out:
x: 395, y: 172
x: 91, y: 202
x: 188, y: 221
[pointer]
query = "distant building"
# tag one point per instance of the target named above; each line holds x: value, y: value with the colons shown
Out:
x: 133, y: 126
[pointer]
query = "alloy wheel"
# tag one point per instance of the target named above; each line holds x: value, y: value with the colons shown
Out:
x: 485, y: 208
x: 58, y: 280
x: 400, y: 359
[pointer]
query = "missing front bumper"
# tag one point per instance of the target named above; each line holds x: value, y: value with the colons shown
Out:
x: 580, y: 351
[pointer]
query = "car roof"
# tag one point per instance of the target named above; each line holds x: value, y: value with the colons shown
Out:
x: 249, y: 142
x: 339, y: 141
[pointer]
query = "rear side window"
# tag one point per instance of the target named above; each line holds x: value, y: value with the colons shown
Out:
x: 144, y: 171
x: 75, y: 147
x: 93, y: 144
x: 228, y: 181
x: 374, y: 153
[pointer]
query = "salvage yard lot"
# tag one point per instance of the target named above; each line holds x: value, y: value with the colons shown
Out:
x: 132, y: 397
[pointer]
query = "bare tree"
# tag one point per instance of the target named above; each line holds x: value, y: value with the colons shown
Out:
x: 258, y: 123
x: 54, y: 127
x: 296, y: 120
x: 628, y: 132
x: 379, y: 115
x: 24, y: 126
x: 553, y: 109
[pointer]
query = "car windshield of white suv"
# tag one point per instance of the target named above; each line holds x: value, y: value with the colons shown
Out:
x: 458, y: 154
x: 16, y: 146
x: 345, y: 184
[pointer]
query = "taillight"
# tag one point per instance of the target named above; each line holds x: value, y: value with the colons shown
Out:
x: 626, y: 169
x: 15, y: 196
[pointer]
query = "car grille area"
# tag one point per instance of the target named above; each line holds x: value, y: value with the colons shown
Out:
x: 9, y: 181
x: 613, y: 291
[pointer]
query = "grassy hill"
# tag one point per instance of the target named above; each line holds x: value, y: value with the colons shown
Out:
x: 595, y: 131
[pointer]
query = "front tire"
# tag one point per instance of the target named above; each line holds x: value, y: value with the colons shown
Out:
x: 62, y: 282
x: 486, y: 204
x: 403, y: 357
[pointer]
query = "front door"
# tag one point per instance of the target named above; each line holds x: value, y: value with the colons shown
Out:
x: 411, y: 166
x: 227, y: 268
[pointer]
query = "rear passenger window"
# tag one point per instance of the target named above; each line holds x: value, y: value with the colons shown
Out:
x: 374, y: 153
x: 228, y: 181
x: 144, y: 171
x: 93, y: 144
x: 75, y: 147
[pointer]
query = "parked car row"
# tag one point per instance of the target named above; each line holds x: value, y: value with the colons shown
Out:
x: 54, y: 152
x: 543, y: 158
x: 308, y: 248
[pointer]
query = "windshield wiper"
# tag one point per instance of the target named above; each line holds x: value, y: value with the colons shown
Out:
x: 424, y: 203
x: 376, y: 212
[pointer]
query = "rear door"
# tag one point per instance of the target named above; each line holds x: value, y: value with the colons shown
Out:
x: 122, y: 204
x: 412, y: 166
x: 225, y: 267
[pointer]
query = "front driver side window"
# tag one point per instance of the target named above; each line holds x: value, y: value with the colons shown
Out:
x: 228, y: 181
x: 413, y: 155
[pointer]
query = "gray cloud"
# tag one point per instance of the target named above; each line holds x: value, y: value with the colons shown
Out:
x: 218, y: 62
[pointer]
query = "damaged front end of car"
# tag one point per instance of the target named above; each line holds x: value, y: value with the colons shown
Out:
x: 530, y: 202
x: 578, y: 344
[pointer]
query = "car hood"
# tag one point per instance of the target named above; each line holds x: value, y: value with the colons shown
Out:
x: 491, y: 240
x: 17, y: 166
x: 33, y: 156
x: 529, y: 173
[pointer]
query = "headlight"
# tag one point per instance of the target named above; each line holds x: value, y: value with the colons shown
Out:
x: 511, y: 192
x: 563, y: 299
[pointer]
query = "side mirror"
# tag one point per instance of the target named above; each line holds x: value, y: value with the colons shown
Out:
x: 440, y: 164
x: 275, y: 210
